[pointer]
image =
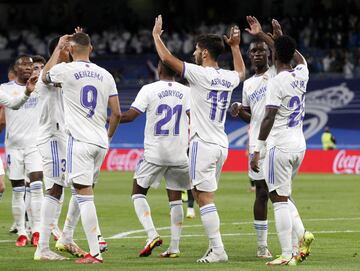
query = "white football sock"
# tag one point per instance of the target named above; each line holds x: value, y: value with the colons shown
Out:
x: 177, y: 218
x: 48, y: 213
x: 72, y: 218
x: 89, y: 221
x: 297, y: 227
x: 18, y: 208
x: 283, y: 227
x: 143, y: 213
x: 58, y: 210
x: 211, y: 222
x: 261, y: 228
x: 27, y: 200
x: 36, y: 201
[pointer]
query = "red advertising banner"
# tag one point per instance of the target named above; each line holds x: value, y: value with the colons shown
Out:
x: 315, y: 161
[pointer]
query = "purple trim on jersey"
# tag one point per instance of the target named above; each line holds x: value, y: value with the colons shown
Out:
x: 69, y: 153
x: 183, y: 71
x: 136, y: 109
x: 187, y: 111
x: 272, y: 106
x: 117, y: 94
x: 291, y: 70
x: 193, y: 159
x: 83, y: 61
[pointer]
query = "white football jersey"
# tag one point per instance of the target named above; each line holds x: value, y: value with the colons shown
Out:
x: 51, y: 121
x: 253, y: 98
x: 210, y: 95
x: 86, y: 91
x: 167, y: 125
x: 286, y: 91
x: 21, y: 124
x: 8, y: 100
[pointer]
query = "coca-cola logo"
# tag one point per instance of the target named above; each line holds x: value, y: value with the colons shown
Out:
x: 123, y: 161
x: 346, y: 163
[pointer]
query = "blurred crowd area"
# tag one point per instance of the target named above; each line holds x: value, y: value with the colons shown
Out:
x: 331, y: 45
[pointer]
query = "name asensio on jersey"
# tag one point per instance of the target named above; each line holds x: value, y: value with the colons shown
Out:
x: 222, y: 82
x: 85, y: 74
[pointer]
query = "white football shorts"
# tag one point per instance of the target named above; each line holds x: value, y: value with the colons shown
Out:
x: 148, y: 174
x: 83, y: 162
x: 280, y: 168
x: 206, y: 162
x: 23, y: 161
x: 53, y: 154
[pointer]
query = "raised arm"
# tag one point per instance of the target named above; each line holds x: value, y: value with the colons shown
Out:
x: 17, y: 101
x: 234, y: 41
x: 54, y: 59
x: 115, y: 116
x: 164, y: 54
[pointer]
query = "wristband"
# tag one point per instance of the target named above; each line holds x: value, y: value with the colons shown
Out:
x: 260, y: 144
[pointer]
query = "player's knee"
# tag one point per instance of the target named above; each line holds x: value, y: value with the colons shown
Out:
x: 17, y: 183
x: 137, y: 189
x: 36, y: 176
x: 55, y: 191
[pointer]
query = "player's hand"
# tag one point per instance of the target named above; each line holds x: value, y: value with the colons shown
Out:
x: 234, y: 38
x: 64, y: 42
x: 79, y: 29
x: 277, y: 31
x: 157, y: 30
x: 255, y: 26
x: 30, y: 84
x: 254, y: 163
x: 235, y: 109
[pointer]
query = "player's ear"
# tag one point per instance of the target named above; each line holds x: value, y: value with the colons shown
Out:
x: 91, y: 49
x: 204, y: 53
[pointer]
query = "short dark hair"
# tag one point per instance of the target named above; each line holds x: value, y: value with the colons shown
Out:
x: 285, y: 48
x: 81, y: 39
x: 257, y: 40
x: 213, y: 43
x: 52, y: 45
x: 166, y: 70
x: 39, y: 59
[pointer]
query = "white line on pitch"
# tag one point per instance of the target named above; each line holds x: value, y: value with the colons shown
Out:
x: 127, y: 233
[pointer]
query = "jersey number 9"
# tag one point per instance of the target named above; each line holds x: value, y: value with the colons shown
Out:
x: 88, y: 98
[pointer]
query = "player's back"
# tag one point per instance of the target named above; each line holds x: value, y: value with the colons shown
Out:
x: 287, y: 92
x: 51, y: 120
x: 166, y: 130
x: 21, y: 124
x: 210, y: 95
x: 86, y: 91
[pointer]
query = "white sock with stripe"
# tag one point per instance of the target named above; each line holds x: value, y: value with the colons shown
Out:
x: 211, y: 222
x: 261, y: 228
x: 298, y: 227
x: 48, y: 212
x: 177, y: 218
x: 36, y: 201
x: 283, y: 227
x: 143, y: 213
x: 89, y: 221
x: 72, y: 218
x: 58, y: 210
x: 18, y: 208
x: 27, y: 200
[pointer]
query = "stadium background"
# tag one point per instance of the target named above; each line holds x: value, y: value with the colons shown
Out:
x: 327, y: 33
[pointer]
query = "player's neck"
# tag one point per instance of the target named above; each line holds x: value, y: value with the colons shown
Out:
x: 210, y: 63
x: 261, y: 70
x: 20, y: 81
x: 84, y: 58
x: 166, y: 78
x: 283, y: 67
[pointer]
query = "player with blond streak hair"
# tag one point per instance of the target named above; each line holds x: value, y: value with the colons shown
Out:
x: 210, y: 94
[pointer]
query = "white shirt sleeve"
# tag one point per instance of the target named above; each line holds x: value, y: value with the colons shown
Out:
x: 11, y: 101
x: 141, y: 101
x: 113, y: 90
x: 245, y: 99
x: 273, y: 95
x: 302, y: 71
x: 193, y: 73
x: 56, y: 74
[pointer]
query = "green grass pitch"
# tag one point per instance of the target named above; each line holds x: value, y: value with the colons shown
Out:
x: 328, y: 204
